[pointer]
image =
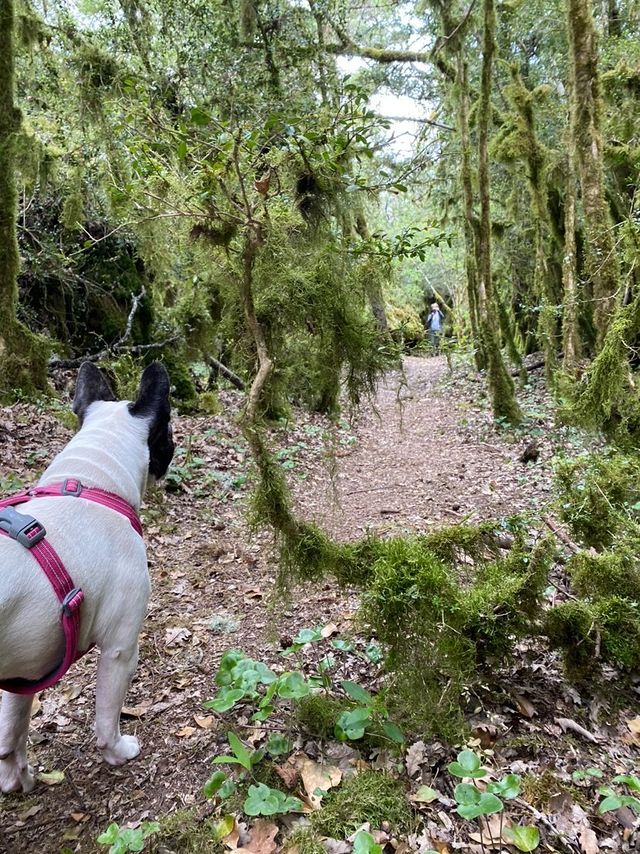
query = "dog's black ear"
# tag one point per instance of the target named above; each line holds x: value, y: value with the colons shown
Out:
x: 153, y: 394
x: 91, y: 385
x: 153, y: 403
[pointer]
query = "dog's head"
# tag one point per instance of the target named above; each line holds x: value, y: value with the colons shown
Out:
x: 152, y: 404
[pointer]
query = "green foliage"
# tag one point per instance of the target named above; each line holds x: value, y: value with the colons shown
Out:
x: 186, y: 830
x: 262, y: 800
x: 121, y: 840
x: 372, y: 796
x: 600, y: 502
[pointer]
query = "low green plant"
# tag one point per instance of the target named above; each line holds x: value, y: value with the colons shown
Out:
x: 242, y: 680
x: 475, y: 802
x: 613, y: 800
x: 122, y: 840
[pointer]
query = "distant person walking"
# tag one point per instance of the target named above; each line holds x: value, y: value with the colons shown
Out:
x: 434, y: 326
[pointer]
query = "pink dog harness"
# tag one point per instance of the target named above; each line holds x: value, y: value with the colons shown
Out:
x: 31, y: 534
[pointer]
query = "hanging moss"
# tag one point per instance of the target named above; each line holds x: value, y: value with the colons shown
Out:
x: 609, y: 399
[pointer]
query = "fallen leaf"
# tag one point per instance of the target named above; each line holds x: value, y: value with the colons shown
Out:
x: 316, y: 776
x: 490, y: 831
x: 71, y: 693
x: 416, y: 755
x: 288, y: 773
x: 568, y: 724
x: 329, y: 629
x: 524, y: 706
x: 232, y: 838
x: 176, y: 635
x: 23, y: 816
x: 78, y: 816
x: 588, y: 840
x: 425, y: 795
x: 634, y: 725
x: 186, y: 731
x: 50, y: 778
x: 204, y: 722
x: 134, y: 711
x: 263, y: 834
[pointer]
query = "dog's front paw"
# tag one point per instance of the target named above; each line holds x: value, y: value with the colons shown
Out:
x: 15, y: 776
x: 126, y: 747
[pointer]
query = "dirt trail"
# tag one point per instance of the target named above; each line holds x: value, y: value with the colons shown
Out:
x: 416, y: 467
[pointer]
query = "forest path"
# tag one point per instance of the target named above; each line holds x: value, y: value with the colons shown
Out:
x: 427, y: 455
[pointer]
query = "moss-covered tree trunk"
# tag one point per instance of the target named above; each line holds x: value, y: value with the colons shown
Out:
x: 470, y: 220
x: 534, y: 156
x: 570, y: 332
x: 602, y: 258
x: 23, y: 356
x: 501, y: 384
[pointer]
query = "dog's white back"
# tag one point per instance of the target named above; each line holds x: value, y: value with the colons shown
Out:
x: 115, y: 449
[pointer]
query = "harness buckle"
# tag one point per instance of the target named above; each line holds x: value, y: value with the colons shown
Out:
x: 72, y: 487
x: 24, y: 529
x: 72, y: 601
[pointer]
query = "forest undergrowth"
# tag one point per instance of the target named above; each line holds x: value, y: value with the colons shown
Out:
x: 336, y: 723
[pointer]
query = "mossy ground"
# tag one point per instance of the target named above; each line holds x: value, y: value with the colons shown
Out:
x: 186, y: 832
x: 372, y: 796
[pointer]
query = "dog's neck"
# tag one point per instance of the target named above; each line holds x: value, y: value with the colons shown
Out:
x: 109, y: 452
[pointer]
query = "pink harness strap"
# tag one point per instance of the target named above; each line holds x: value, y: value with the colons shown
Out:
x: 31, y: 534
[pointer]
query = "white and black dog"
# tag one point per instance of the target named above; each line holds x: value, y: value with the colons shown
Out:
x: 119, y: 448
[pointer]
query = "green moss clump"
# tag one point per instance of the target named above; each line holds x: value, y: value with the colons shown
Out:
x: 597, y: 495
x: 317, y: 714
x: 570, y: 628
x: 304, y: 842
x: 208, y: 403
x: 371, y: 796
x: 187, y: 832
x: 538, y: 790
x: 608, y: 573
x: 619, y: 622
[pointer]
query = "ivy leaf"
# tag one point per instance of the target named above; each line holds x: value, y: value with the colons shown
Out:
x: 278, y: 745
x: 226, y: 699
x: 393, y: 732
x: 524, y: 838
x: 468, y: 765
x: 631, y: 781
x: 508, y: 787
x: 612, y: 802
x: 110, y: 834
x: 262, y: 800
x: 293, y: 686
x: 351, y: 725
x: 466, y: 794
